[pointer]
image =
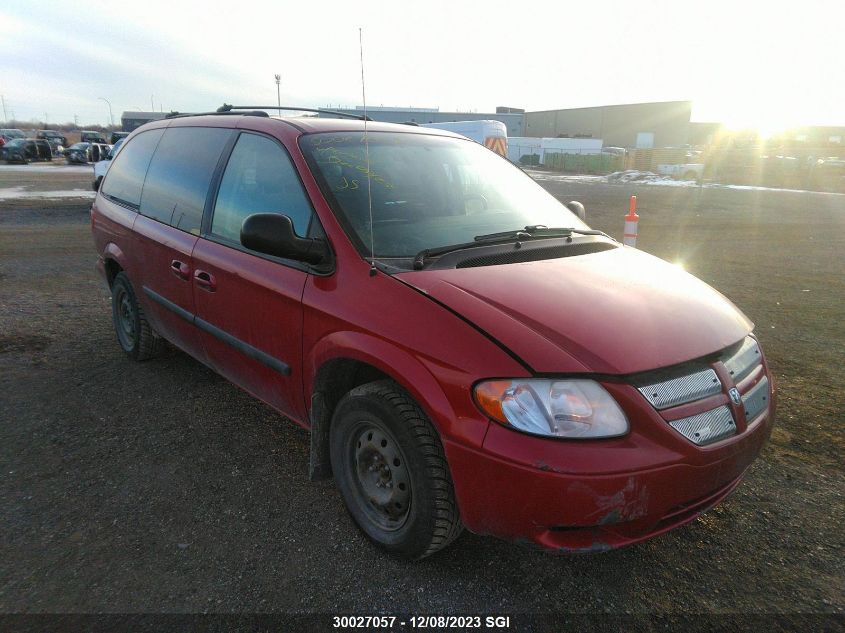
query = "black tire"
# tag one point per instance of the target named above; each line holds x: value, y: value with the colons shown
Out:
x: 134, y: 333
x: 403, y: 447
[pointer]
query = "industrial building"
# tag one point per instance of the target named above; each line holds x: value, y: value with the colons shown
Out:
x: 513, y: 118
x: 633, y: 125
x: 132, y: 120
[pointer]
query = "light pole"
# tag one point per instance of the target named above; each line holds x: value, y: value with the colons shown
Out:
x: 279, y: 92
x: 111, y: 118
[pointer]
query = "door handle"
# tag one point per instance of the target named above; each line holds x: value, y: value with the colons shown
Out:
x: 205, y: 280
x: 180, y: 269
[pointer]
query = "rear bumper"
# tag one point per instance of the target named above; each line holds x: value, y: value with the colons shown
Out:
x: 559, y: 505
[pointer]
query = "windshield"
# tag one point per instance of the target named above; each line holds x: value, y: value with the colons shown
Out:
x: 13, y: 133
x: 15, y: 143
x: 79, y: 146
x: 427, y: 191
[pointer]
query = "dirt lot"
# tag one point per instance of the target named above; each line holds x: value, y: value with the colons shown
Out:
x: 160, y: 487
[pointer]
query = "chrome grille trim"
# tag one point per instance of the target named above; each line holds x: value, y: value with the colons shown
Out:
x: 744, y: 361
x: 670, y: 393
x: 756, y: 399
x: 706, y: 428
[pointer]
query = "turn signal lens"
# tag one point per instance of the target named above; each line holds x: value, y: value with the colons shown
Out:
x: 555, y: 408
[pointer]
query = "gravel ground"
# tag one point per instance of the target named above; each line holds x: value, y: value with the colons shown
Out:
x: 159, y: 487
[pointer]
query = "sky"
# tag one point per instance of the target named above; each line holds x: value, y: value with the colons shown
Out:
x: 769, y: 65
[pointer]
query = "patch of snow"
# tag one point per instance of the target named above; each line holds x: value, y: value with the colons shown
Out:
x: 21, y: 193
x: 558, y: 177
x: 758, y: 188
x: 52, y: 168
x: 637, y: 177
x: 647, y: 177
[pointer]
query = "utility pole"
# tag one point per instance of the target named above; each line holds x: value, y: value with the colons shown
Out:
x: 111, y: 118
x: 75, y: 120
x: 152, y: 105
x: 46, y: 121
x: 3, y: 99
x: 278, y: 92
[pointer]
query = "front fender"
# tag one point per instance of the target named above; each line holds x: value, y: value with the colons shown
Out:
x: 412, y: 373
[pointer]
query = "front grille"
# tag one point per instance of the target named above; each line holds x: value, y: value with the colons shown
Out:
x: 744, y: 361
x: 671, y: 393
x: 706, y: 428
x: 756, y: 400
x: 693, y: 382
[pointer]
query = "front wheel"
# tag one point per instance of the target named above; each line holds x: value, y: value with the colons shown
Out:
x: 391, y: 470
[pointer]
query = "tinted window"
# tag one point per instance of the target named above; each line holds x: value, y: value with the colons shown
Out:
x: 125, y: 177
x: 180, y: 174
x: 427, y: 191
x: 259, y: 178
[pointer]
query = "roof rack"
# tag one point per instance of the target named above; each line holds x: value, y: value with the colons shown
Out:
x: 179, y: 115
x: 230, y: 109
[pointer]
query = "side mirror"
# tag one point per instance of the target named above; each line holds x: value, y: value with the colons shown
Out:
x: 273, y: 234
x: 578, y: 209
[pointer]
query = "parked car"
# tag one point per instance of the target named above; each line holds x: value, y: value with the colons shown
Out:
x: 87, y: 136
x: 54, y: 137
x: 79, y: 153
x: 116, y: 136
x: 464, y: 349
x: 25, y: 150
x: 102, y: 167
x: 9, y: 134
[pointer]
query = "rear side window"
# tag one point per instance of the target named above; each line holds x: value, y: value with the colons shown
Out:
x: 180, y: 174
x: 259, y: 178
x: 125, y: 177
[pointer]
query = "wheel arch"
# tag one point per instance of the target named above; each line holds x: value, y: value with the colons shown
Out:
x: 114, y: 262
x: 345, y: 360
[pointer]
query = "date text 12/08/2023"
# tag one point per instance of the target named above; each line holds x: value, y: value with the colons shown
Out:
x: 389, y: 622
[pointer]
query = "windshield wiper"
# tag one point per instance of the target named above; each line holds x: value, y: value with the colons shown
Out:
x: 534, y: 231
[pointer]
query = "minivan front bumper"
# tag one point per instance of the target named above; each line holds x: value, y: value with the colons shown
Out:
x: 590, y: 496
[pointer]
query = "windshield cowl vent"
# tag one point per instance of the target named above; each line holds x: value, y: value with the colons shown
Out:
x: 526, y: 254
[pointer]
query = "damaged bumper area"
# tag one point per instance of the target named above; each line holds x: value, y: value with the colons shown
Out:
x: 586, y: 497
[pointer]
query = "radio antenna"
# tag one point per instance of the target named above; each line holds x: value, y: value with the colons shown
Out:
x: 373, y: 269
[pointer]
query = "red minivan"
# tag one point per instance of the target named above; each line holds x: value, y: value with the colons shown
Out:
x: 464, y: 349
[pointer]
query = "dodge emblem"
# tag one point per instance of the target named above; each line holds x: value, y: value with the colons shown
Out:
x: 735, y: 397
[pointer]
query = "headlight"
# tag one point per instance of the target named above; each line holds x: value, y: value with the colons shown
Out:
x: 555, y: 408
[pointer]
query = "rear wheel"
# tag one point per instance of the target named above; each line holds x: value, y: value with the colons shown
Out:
x: 134, y: 333
x: 389, y: 465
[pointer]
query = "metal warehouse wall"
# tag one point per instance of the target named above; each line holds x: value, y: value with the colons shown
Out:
x: 618, y: 125
x: 513, y: 121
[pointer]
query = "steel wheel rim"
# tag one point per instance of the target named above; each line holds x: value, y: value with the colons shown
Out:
x: 125, y: 313
x: 380, y: 475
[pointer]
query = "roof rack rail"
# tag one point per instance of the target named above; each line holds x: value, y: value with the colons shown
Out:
x: 230, y: 109
x: 179, y: 115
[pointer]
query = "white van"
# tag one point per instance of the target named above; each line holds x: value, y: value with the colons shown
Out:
x: 492, y: 134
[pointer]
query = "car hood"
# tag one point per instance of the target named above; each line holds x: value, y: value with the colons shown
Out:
x: 618, y: 311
